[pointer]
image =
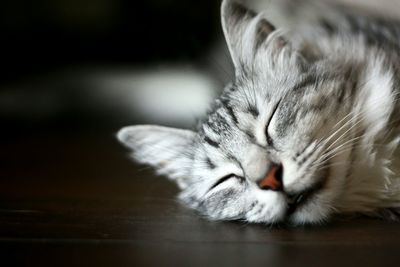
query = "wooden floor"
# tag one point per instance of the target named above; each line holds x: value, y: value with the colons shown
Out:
x: 69, y: 199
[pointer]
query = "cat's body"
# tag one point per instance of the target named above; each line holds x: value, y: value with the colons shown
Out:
x: 308, y: 128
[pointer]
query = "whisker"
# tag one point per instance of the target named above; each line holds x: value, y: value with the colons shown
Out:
x: 337, y: 124
x: 339, y: 149
x: 347, y: 131
x: 332, y: 156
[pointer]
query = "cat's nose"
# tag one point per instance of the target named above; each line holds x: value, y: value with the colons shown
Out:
x: 273, y: 179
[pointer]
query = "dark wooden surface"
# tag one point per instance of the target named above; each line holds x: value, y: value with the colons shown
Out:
x: 75, y: 199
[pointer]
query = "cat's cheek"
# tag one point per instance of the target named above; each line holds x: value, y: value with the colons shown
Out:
x: 269, y: 207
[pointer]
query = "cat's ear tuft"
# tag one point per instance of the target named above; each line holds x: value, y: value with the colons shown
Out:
x: 245, y: 31
x: 166, y: 149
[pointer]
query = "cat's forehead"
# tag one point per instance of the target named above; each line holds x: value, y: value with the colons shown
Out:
x: 222, y: 130
x: 253, y: 96
x: 240, y: 106
x: 239, y: 116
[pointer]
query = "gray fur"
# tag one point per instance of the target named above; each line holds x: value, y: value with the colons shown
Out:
x: 320, y: 99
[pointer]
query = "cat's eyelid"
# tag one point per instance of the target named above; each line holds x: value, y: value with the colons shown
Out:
x: 268, y: 137
x: 224, y: 179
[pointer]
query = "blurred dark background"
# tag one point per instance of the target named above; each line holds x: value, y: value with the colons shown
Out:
x: 39, y: 36
x: 73, y: 72
x: 50, y: 47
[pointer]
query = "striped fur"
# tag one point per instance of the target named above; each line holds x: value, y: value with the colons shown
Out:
x: 319, y: 96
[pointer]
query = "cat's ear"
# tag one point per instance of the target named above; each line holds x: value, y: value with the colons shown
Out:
x: 245, y: 32
x: 166, y: 149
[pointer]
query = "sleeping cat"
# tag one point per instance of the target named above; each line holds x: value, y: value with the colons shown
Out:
x: 308, y: 128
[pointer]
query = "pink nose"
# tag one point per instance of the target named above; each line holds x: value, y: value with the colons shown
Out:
x: 273, y: 179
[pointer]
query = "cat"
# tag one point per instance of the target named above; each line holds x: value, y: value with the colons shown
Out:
x: 307, y: 129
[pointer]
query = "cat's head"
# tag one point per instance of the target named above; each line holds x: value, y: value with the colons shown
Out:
x: 266, y: 150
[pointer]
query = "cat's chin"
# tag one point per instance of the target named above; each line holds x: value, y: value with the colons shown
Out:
x: 308, y: 206
x: 316, y: 208
x: 318, y: 203
x: 311, y: 212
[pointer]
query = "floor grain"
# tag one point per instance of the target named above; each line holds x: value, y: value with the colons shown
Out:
x: 75, y: 199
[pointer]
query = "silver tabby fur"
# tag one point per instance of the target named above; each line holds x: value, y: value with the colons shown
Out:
x: 318, y: 95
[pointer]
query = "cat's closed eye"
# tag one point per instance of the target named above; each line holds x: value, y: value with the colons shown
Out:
x: 224, y: 179
x: 270, y: 141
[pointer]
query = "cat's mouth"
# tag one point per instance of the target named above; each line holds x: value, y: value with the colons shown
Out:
x: 298, y: 200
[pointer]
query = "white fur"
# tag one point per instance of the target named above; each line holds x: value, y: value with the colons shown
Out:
x: 350, y: 148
